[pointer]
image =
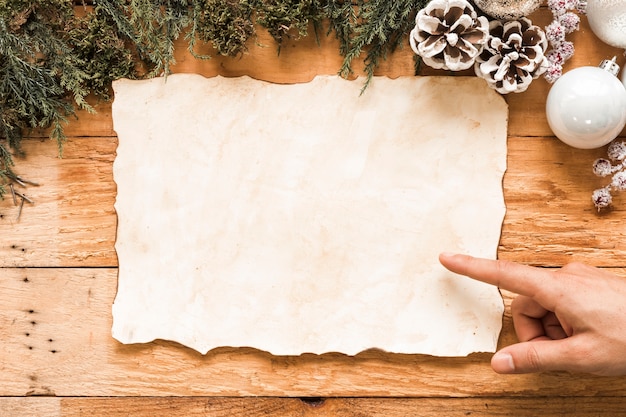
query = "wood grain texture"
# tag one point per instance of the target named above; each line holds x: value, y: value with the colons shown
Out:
x: 57, y: 341
x: 550, y: 217
x: 301, y: 60
x: 290, y: 407
x: 58, y: 278
x: 72, y: 221
x: 547, y: 185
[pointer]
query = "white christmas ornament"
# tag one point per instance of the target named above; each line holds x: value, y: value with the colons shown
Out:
x: 607, y: 19
x: 586, y: 107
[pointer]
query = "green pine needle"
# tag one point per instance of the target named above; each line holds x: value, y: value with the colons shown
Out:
x: 52, y: 59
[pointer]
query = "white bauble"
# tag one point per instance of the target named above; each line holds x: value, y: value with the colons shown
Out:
x: 586, y: 107
x: 607, y: 19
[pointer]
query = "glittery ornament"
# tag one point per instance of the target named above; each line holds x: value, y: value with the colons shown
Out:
x: 617, y: 151
x: 569, y: 21
x: 449, y: 34
x: 607, y: 19
x: 561, y: 54
x: 507, y: 9
x: 563, y: 23
x: 553, y: 72
x: 602, y: 167
x: 513, y: 56
x: 555, y: 31
x: 619, y: 181
x: 602, y: 198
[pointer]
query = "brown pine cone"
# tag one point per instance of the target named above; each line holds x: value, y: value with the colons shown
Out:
x: 448, y: 34
x: 513, y: 56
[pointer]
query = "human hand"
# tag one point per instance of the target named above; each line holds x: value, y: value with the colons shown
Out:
x: 569, y: 319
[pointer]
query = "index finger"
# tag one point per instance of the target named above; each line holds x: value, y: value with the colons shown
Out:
x: 521, y: 279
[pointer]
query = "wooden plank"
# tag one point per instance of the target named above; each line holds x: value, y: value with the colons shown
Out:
x: 527, y: 109
x: 56, y: 337
x: 31, y: 406
x: 72, y: 221
x: 550, y: 217
x: 547, y: 185
x: 368, y: 407
x: 288, y: 407
x: 55, y: 322
x: 301, y: 60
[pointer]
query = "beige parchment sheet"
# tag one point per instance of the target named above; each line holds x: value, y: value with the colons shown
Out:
x: 306, y: 218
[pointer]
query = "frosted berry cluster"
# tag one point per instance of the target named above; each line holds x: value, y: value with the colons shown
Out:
x: 602, y: 167
x: 564, y: 21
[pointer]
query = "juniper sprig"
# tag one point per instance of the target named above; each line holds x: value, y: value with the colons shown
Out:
x: 54, y: 54
x: 379, y: 28
x: 37, y: 71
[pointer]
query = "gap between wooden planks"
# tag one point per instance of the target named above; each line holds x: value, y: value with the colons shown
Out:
x: 550, y: 219
x: 72, y: 224
x: 57, y: 342
x: 301, y: 60
x: 289, y: 407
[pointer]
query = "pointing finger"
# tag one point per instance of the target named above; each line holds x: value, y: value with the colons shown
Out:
x: 521, y: 279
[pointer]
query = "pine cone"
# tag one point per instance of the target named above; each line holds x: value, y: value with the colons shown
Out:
x: 513, y: 56
x: 448, y: 34
x: 507, y: 9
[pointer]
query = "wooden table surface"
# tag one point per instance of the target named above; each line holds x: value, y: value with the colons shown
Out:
x: 58, y: 277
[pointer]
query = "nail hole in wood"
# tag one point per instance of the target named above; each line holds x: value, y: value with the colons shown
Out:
x: 313, y: 401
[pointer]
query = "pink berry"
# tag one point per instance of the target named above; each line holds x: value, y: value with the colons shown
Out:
x: 569, y: 21
x: 555, y: 32
x: 617, y: 151
x: 619, y: 181
x: 602, y: 167
x: 602, y: 198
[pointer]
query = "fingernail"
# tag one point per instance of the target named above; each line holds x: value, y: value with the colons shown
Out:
x: 446, y: 254
x: 502, y: 363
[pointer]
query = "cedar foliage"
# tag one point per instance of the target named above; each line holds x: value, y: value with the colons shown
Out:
x: 52, y: 57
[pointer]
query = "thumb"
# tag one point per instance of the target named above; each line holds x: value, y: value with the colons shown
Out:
x: 533, y: 356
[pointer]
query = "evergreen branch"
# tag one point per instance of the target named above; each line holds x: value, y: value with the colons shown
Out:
x: 51, y: 60
x: 227, y: 24
x: 380, y: 26
x: 342, y: 17
x: 283, y: 18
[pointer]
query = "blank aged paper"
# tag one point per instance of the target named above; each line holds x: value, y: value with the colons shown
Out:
x: 306, y: 218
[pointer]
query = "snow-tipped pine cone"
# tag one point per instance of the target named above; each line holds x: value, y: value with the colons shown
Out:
x: 513, y: 56
x: 449, y: 34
